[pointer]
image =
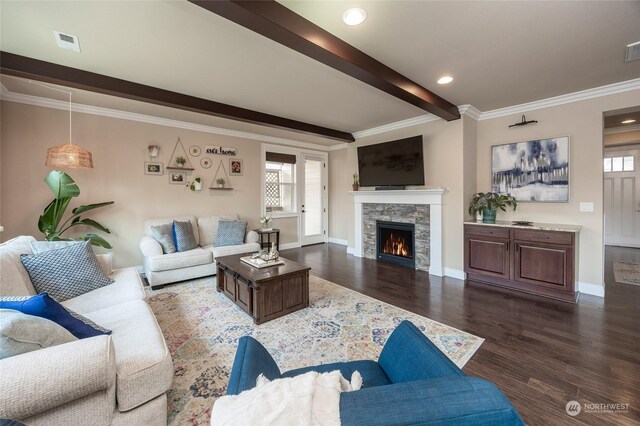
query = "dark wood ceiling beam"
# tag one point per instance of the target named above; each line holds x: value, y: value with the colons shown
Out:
x: 284, y: 26
x: 22, y: 66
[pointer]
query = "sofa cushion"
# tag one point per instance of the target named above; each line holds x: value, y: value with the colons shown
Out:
x: 14, y: 279
x: 44, y: 306
x: 230, y: 250
x: 372, y: 373
x: 21, y: 333
x: 183, y: 236
x: 230, y: 233
x: 127, y: 286
x: 65, y: 273
x: 185, y: 259
x: 208, y: 227
x: 144, y: 368
x: 163, y: 234
x: 104, y: 260
x: 169, y: 221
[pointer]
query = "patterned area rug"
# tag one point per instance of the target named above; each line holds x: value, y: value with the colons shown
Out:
x: 202, y: 328
x: 626, y: 272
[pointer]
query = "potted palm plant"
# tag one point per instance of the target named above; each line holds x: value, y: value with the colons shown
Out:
x: 488, y: 203
x: 356, y: 182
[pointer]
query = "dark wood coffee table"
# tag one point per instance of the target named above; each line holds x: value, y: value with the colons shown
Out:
x: 266, y: 293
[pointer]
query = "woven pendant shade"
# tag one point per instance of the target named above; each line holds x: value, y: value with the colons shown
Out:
x: 69, y: 156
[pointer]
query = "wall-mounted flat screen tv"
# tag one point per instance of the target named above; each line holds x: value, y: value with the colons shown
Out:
x: 395, y: 163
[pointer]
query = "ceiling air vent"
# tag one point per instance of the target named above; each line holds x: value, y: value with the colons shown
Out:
x: 67, y: 41
x: 633, y: 52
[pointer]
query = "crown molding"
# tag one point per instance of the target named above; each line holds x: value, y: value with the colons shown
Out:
x: 422, y: 119
x: 7, y: 95
x: 596, y: 92
x: 470, y: 111
x: 622, y: 129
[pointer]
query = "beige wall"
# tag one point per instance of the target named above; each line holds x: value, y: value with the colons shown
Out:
x: 119, y: 150
x: 340, y: 181
x: 583, y: 122
x: 443, y: 154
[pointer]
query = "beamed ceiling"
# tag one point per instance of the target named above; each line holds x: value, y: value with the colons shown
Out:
x: 500, y: 54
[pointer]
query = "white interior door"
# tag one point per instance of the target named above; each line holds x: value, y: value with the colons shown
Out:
x: 621, y: 200
x: 313, y: 208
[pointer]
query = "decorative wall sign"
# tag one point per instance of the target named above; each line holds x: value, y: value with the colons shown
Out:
x: 220, y: 150
x: 151, y: 168
x: 195, y: 150
x: 206, y: 162
x: 178, y: 178
x: 235, y: 167
x: 536, y: 170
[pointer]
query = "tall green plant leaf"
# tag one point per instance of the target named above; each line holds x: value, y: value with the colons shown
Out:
x: 62, y: 185
x: 82, y: 209
x: 88, y: 222
x: 96, y: 240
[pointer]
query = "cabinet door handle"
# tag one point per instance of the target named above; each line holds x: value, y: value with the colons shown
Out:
x: 542, y: 237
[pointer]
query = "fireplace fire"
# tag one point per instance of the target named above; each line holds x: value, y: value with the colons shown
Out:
x: 395, y: 242
x: 396, y: 246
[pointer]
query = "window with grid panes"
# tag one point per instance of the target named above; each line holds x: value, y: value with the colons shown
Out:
x: 279, y: 191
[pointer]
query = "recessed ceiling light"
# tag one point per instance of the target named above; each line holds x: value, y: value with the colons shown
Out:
x: 628, y: 121
x: 354, y: 16
x: 445, y: 80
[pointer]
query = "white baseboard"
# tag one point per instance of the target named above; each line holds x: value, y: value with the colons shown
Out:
x: 350, y: 250
x: 435, y: 270
x: 455, y: 273
x: 589, y: 288
x: 339, y: 241
x: 287, y: 246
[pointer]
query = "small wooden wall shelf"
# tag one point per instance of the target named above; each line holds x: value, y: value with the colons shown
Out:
x: 179, y: 168
x: 220, y: 189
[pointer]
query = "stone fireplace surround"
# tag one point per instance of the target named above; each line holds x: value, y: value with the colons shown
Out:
x: 420, y: 206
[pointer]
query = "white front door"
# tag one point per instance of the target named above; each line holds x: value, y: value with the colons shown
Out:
x: 621, y: 198
x: 313, y: 212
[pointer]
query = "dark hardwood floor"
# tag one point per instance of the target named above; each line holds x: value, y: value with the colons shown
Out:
x: 539, y: 352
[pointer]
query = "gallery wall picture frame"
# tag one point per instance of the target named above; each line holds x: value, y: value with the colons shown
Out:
x: 235, y: 167
x: 177, y: 178
x: 153, y: 168
x: 532, y: 171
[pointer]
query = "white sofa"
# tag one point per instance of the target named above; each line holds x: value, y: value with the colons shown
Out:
x: 119, y: 379
x: 161, y: 268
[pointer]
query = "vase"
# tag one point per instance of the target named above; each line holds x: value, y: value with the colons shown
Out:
x: 198, y: 186
x: 489, y: 216
x: 221, y: 185
x: 355, y: 187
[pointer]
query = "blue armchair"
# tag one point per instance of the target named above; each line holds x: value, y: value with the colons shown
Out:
x: 412, y: 383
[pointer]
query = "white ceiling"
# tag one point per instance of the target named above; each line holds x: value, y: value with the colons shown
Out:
x: 500, y: 53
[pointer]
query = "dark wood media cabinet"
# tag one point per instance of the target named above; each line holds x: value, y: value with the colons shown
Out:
x: 541, y: 260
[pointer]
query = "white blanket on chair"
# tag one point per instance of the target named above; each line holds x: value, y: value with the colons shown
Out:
x: 309, y: 399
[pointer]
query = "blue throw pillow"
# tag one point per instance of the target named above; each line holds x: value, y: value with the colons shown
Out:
x: 183, y: 236
x: 230, y: 233
x: 65, y: 273
x: 44, y: 306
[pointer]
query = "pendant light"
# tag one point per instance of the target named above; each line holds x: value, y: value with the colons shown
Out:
x: 69, y: 155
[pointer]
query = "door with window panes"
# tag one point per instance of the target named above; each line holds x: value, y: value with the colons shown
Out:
x: 313, y: 211
x: 621, y: 196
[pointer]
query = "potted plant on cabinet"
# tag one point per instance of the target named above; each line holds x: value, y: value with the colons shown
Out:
x: 356, y: 182
x: 488, y: 202
x: 220, y: 182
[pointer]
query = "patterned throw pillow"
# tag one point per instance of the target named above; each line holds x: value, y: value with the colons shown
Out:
x: 183, y: 236
x: 164, y: 235
x: 65, y: 273
x: 230, y: 233
x: 44, y: 306
x: 21, y: 333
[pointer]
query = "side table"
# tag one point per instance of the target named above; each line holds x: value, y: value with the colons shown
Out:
x: 265, y: 238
